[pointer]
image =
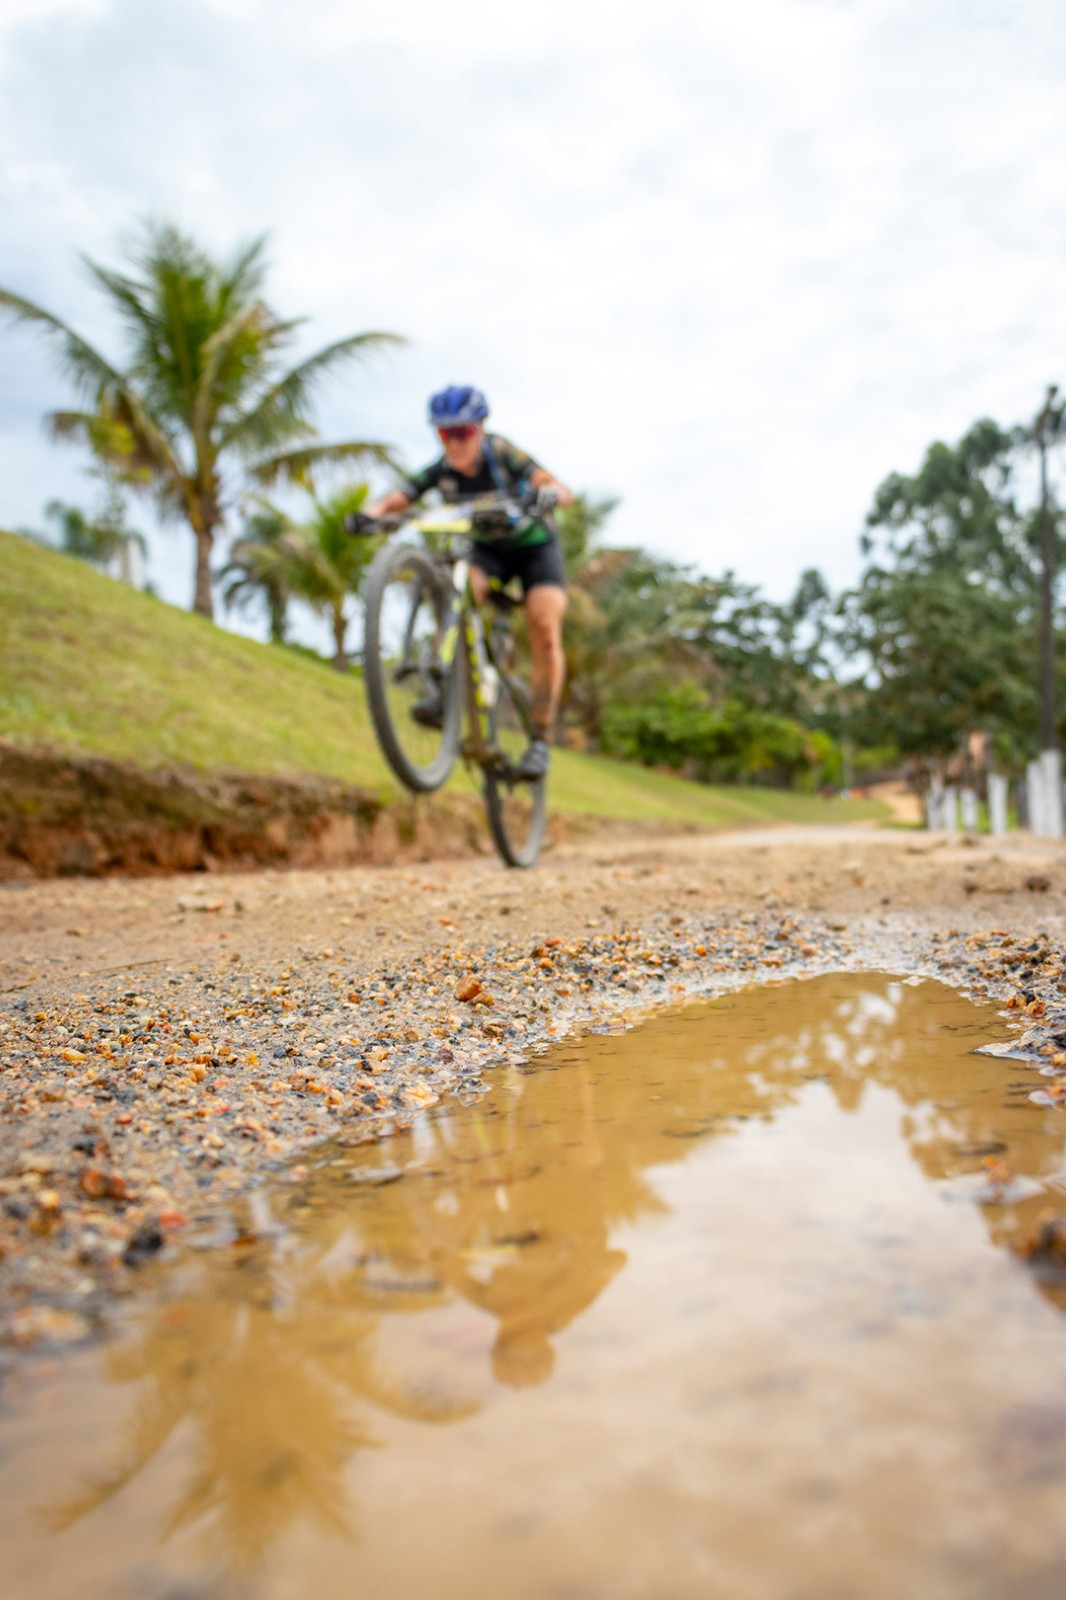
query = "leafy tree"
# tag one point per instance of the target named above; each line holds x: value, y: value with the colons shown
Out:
x: 638, y: 626
x: 627, y: 621
x: 734, y: 629
x: 948, y: 656
x: 944, y: 613
x: 958, y: 512
x: 202, y: 399
x: 805, y: 630
x: 580, y: 525
x: 630, y: 629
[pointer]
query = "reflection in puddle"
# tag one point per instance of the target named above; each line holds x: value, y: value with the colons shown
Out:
x: 718, y: 1308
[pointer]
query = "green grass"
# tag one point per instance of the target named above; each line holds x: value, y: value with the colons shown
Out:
x: 89, y: 666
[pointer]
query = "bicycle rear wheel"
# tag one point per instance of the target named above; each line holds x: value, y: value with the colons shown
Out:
x: 517, y: 810
x: 406, y: 601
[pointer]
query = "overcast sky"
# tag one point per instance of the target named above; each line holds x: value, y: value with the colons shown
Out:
x: 730, y: 262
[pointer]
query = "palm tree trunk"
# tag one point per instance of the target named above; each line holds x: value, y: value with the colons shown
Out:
x: 340, y: 630
x: 203, y: 599
x: 278, y: 604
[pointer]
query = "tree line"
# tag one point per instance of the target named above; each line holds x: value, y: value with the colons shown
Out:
x: 936, y: 642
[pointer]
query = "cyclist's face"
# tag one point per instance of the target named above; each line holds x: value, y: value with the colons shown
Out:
x: 462, y: 446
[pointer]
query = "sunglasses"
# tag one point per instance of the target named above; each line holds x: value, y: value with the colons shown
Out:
x: 462, y: 430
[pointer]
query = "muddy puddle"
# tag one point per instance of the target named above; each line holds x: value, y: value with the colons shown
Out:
x: 723, y: 1308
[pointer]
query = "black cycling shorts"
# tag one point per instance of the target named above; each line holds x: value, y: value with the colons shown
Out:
x: 531, y: 564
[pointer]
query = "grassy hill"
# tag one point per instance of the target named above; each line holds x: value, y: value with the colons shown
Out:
x: 91, y: 667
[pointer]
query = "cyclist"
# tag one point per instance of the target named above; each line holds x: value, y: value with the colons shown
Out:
x: 473, y: 463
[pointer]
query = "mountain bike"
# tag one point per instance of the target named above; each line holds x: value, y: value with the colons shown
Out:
x: 426, y: 641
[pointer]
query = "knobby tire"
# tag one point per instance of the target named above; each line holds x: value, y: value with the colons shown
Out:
x: 517, y: 811
x: 407, y: 747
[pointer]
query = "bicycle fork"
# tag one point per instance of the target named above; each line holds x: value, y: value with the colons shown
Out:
x: 463, y: 627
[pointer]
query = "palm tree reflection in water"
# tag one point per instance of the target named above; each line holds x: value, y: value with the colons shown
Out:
x: 265, y: 1378
x: 273, y: 1358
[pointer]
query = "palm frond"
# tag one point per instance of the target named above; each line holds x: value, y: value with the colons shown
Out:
x: 154, y: 447
x: 62, y: 425
x: 300, y: 467
x: 123, y: 434
x: 253, y: 567
x: 129, y: 296
x: 215, y: 351
x: 154, y: 245
x: 281, y: 413
x: 246, y: 273
x: 309, y: 571
x: 86, y: 367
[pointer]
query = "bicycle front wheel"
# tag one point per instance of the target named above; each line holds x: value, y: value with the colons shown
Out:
x: 517, y: 810
x: 406, y: 601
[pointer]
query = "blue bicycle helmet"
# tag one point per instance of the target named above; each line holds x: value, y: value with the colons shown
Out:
x: 457, y: 404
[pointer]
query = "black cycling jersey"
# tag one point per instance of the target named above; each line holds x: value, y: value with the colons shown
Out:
x: 513, y: 472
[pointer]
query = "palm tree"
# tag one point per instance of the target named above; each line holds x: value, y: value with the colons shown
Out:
x: 103, y: 540
x: 325, y: 565
x: 98, y: 540
x: 261, y: 564
x: 274, y: 1397
x: 203, y: 397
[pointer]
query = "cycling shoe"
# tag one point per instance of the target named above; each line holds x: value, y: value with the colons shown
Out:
x: 429, y: 711
x: 534, y: 761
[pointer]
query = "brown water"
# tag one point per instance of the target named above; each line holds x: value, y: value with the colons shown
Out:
x: 721, y: 1308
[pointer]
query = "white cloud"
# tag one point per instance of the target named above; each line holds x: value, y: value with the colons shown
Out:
x: 13, y: 12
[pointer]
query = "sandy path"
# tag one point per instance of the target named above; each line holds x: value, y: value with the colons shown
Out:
x: 167, y: 1043
x: 53, y: 933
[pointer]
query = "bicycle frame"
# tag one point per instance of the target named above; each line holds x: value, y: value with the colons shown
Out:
x: 482, y: 664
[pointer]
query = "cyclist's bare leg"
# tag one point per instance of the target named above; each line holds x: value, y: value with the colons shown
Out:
x: 545, y: 608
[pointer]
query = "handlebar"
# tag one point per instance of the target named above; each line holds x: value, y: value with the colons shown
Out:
x: 360, y: 526
x: 485, y: 511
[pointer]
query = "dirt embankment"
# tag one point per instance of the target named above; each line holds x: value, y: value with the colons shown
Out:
x: 63, y: 816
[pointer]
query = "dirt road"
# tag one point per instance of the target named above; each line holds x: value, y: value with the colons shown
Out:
x: 165, y: 1044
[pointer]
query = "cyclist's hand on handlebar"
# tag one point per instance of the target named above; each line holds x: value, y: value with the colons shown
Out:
x: 544, y: 500
x: 358, y: 524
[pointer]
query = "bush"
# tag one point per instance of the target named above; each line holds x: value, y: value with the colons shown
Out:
x: 676, y: 727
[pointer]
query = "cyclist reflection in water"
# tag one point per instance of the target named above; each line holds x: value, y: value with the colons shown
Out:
x: 475, y: 463
x: 520, y: 1221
